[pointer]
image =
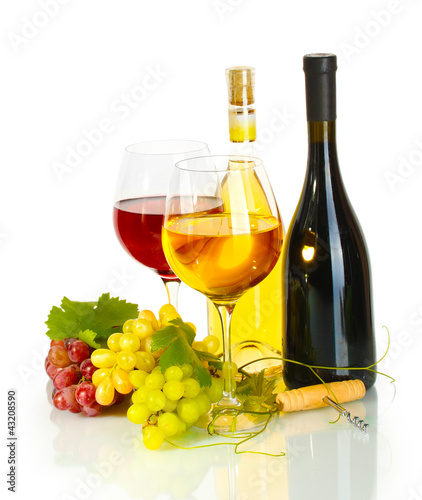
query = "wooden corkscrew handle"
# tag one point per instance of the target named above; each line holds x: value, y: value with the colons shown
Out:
x: 310, y: 397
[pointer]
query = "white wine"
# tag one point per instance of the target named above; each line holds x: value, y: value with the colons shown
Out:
x: 256, y: 321
x: 222, y: 254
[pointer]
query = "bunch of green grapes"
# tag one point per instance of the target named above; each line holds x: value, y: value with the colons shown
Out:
x: 128, y: 352
x: 166, y: 404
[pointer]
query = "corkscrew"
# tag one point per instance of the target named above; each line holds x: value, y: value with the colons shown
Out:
x: 317, y: 396
x: 359, y: 423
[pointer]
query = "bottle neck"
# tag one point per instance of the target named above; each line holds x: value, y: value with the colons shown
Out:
x: 242, y: 128
x: 322, y: 150
x: 322, y: 132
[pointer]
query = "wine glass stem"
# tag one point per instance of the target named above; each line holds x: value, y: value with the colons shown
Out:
x: 229, y: 390
x: 172, y: 287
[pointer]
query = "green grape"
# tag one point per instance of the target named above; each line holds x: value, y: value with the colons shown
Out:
x: 204, y: 403
x: 138, y: 413
x: 140, y: 396
x: 191, y: 325
x: 192, y: 387
x: 173, y: 373
x: 113, y: 342
x: 199, y: 346
x: 212, y: 342
x: 215, y: 392
x: 130, y: 342
x: 187, y: 370
x: 155, y: 381
x: 156, y: 369
x: 121, y: 381
x: 145, y: 361
x: 168, y: 423
x: 137, y: 378
x: 167, y: 309
x: 99, y: 375
x: 150, y: 316
x: 153, y: 437
x: 142, y: 328
x: 104, y: 393
x: 155, y: 400
x: 127, y: 326
x: 174, y: 390
x: 170, y: 406
x: 126, y: 360
x: 182, y: 428
x: 188, y: 410
x: 103, y: 358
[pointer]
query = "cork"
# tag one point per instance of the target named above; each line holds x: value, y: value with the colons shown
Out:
x: 240, y: 84
x: 310, y: 397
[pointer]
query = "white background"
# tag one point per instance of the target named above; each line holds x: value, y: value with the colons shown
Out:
x: 63, y: 73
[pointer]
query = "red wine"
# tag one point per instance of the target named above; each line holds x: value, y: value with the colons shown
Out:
x: 327, y: 284
x: 138, y: 224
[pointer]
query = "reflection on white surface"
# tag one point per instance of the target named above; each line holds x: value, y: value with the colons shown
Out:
x: 332, y: 461
x: 323, y: 460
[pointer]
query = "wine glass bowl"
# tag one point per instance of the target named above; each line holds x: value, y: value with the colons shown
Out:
x: 138, y: 211
x: 222, y: 235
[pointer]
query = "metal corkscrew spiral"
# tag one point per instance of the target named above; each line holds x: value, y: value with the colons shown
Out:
x: 359, y: 423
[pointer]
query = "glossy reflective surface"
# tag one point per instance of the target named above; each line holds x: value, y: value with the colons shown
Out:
x: 104, y: 458
x: 328, y: 310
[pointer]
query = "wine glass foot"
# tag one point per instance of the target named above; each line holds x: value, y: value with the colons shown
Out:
x: 252, y: 351
x: 231, y: 420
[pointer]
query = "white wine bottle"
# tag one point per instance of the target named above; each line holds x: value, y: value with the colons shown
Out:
x: 256, y: 321
x: 326, y: 271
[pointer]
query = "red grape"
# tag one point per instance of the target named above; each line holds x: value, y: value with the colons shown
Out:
x: 78, y: 351
x: 52, y: 371
x: 119, y: 398
x: 73, y: 405
x: 60, y: 400
x: 87, y: 369
x: 57, y: 355
x: 57, y: 342
x: 92, y: 410
x: 64, y: 399
x: 46, y: 364
x: 68, y: 342
x: 66, y: 377
x: 85, y: 394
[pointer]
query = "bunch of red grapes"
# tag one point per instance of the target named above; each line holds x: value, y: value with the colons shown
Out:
x: 67, y: 362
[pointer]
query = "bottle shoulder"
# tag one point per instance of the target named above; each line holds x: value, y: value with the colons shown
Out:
x: 327, y: 228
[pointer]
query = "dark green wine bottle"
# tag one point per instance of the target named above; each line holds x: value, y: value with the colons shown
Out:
x: 326, y: 270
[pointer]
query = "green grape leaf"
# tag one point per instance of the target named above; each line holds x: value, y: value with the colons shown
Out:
x: 110, y: 314
x: 88, y: 336
x: 177, y: 353
x: 204, y: 377
x: 102, y: 318
x: 69, y: 319
x: 176, y: 341
x: 207, y: 356
x: 256, y: 393
x: 163, y: 338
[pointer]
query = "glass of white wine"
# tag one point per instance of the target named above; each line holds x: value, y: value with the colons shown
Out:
x: 222, y: 235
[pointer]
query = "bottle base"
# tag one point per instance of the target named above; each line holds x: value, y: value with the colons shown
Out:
x: 230, y: 420
x: 254, y: 356
x: 296, y: 382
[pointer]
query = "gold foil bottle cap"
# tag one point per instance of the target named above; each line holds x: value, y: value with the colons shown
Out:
x: 240, y: 82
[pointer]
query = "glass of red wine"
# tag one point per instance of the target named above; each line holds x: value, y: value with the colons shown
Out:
x: 140, y: 202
